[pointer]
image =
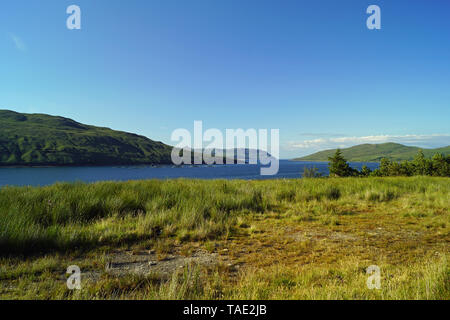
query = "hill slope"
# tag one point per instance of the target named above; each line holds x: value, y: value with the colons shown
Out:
x: 38, y: 139
x: 375, y: 152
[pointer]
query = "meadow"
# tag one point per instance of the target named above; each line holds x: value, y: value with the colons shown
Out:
x: 272, y: 239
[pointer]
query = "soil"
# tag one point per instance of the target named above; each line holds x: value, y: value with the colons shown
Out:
x: 147, y: 262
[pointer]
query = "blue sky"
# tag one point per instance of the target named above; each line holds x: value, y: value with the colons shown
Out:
x: 309, y: 68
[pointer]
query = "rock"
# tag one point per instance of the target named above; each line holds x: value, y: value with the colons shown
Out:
x: 152, y: 263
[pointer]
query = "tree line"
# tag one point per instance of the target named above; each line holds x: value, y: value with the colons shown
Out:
x: 437, y: 166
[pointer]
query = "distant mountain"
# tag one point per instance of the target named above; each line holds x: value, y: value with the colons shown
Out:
x: 375, y: 152
x: 44, y: 140
x: 244, y: 155
x: 240, y: 155
x: 39, y: 139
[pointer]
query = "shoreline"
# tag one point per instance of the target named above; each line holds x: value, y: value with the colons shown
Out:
x: 294, y: 160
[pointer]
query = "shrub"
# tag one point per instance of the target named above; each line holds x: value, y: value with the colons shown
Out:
x: 311, y: 172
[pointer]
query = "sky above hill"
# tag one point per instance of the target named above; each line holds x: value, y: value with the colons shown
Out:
x: 309, y: 68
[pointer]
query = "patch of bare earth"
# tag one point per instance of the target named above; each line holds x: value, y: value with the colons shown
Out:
x: 147, y: 262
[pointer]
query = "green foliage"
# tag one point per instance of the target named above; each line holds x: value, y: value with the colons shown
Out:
x: 422, y: 166
x: 37, y: 139
x: 376, y: 152
x: 365, y: 171
x: 311, y: 172
x: 338, y: 166
x: 439, y: 166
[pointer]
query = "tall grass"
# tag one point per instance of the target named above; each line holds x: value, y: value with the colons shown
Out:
x: 290, y: 238
x: 424, y: 280
x: 65, y: 216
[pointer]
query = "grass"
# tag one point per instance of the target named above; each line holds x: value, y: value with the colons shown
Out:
x: 285, y: 239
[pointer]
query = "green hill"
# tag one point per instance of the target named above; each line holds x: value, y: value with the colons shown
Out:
x: 38, y: 139
x: 375, y: 152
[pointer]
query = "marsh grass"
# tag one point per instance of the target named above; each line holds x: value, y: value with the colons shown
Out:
x: 65, y: 216
x: 347, y: 280
x: 302, y: 238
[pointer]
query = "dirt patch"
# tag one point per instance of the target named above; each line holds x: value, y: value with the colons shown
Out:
x: 145, y: 263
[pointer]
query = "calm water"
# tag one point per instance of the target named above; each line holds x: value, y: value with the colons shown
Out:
x: 46, y: 176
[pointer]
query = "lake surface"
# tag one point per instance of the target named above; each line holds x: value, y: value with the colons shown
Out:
x: 49, y: 175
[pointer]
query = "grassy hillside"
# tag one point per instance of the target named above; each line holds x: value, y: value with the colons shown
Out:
x: 375, y: 152
x: 38, y: 139
x: 273, y: 239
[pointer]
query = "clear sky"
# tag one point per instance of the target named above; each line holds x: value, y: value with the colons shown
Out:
x: 309, y: 68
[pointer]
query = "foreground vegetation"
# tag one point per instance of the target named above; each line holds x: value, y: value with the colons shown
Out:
x: 274, y: 239
x: 437, y: 166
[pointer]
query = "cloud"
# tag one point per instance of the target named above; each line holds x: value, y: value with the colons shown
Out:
x: 310, y: 134
x: 424, y: 141
x: 18, y: 42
